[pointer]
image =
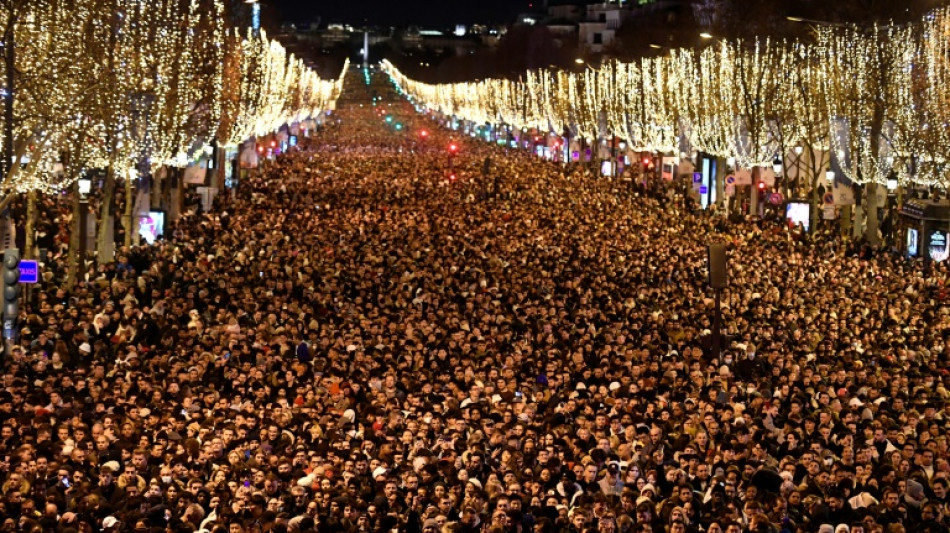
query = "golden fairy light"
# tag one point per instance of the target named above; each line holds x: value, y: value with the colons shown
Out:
x: 102, y: 82
x: 877, y: 98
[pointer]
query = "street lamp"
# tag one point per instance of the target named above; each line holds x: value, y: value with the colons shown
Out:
x: 706, y: 35
x: 85, y: 186
x: 778, y: 167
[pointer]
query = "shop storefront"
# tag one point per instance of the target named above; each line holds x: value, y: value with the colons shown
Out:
x: 925, y: 226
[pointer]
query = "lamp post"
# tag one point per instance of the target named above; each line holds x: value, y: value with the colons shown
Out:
x: 622, y: 155
x: 830, y: 179
x: 84, y: 187
x: 777, y: 168
x: 717, y: 261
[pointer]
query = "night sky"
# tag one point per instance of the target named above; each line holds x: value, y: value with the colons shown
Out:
x: 427, y: 13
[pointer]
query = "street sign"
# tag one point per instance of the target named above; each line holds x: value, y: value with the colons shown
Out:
x: 776, y: 198
x: 843, y: 195
x: 29, y: 271
x: 829, y: 198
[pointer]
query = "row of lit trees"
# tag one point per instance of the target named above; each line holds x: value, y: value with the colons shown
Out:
x: 130, y: 86
x: 875, y: 98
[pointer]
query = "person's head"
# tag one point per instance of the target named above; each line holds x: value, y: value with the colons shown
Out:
x: 930, y: 512
x: 940, y: 487
x: 890, y: 498
x: 579, y: 519
x: 644, y: 512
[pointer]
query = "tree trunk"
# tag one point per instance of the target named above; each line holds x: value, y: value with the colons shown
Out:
x: 871, y: 214
x: 73, y: 259
x: 105, y: 218
x: 105, y: 239
x: 28, y: 252
x: 846, y: 222
x: 155, y: 188
x: 127, y: 217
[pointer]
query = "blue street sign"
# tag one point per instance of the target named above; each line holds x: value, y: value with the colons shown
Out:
x: 704, y: 190
x: 697, y: 177
x: 29, y: 271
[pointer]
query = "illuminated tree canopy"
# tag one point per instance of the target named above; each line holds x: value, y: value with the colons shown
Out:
x: 876, y: 96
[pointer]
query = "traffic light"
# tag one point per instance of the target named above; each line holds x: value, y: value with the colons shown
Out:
x: 11, y: 290
x: 423, y: 134
x: 389, y: 118
x: 453, y: 148
x: 452, y: 177
x: 761, y: 186
x: 398, y: 126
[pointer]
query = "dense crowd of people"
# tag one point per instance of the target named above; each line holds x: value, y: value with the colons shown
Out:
x: 357, y: 342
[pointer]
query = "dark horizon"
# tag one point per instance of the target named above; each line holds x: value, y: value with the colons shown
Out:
x: 408, y: 12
